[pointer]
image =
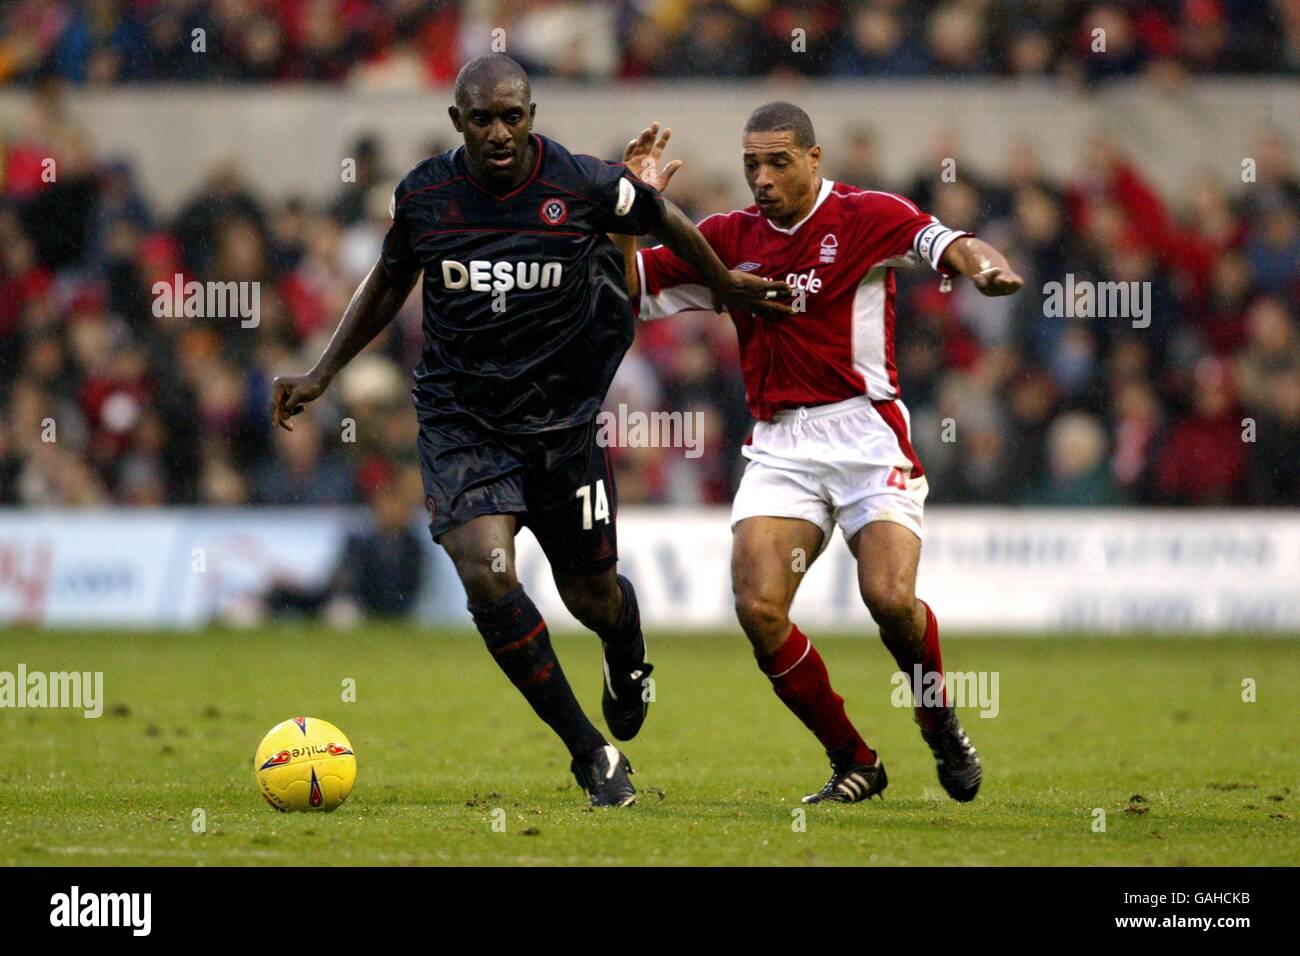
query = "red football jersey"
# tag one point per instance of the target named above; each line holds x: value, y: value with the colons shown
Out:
x: 841, y: 257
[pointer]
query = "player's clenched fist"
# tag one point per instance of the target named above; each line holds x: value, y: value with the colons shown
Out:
x: 291, y: 392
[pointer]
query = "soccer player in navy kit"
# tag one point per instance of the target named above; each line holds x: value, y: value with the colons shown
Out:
x: 526, y: 318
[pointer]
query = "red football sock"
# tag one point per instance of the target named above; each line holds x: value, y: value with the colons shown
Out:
x: 799, y: 678
x: 931, y: 662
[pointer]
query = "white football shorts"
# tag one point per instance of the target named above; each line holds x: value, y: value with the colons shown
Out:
x: 847, y: 464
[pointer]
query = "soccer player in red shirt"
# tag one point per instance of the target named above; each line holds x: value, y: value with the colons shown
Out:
x: 831, y: 445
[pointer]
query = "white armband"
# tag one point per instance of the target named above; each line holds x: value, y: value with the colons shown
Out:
x: 931, y: 242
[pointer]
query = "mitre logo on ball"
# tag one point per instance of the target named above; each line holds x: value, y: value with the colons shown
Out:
x: 305, y: 764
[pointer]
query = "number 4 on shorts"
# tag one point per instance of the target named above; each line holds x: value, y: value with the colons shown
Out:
x: 601, y: 510
x: 896, y: 479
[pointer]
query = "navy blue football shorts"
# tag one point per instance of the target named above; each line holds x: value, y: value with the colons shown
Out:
x: 559, y: 483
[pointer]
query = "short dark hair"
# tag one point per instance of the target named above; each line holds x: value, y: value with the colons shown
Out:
x: 782, y: 117
x: 489, y: 69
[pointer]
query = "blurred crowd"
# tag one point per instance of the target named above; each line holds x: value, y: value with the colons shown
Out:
x: 391, y: 43
x: 107, y: 399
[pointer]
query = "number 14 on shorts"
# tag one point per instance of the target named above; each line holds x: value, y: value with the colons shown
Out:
x: 595, y: 504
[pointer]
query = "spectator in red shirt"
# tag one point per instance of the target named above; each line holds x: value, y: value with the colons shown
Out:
x: 1204, y: 460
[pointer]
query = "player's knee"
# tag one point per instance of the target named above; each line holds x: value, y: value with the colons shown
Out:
x: 484, y: 578
x: 762, y: 617
x: 888, y: 601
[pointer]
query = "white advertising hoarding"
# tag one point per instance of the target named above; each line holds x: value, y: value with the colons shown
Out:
x: 990, y: 570
x: 144, y: 568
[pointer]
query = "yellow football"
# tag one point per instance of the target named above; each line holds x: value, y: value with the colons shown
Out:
x: 305, y: 764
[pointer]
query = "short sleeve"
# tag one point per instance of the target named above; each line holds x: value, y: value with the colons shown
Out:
x: 624, y: 204
x: 896, y: 229
x: 398, y: 256
x: 669, y: 285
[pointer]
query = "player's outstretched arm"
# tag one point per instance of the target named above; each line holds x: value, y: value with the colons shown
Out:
x: 730, y: 288
x: 375, y: 303
x: 983, y: 265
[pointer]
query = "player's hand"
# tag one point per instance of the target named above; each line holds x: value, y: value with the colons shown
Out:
x: 290, y: 393
x: 995, y: 281
x: 752, y: 294
x: 643, y: 157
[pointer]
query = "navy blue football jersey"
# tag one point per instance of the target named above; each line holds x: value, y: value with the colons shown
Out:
x: 526, y: 314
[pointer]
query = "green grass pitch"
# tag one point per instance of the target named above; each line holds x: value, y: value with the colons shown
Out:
x: 1154, y: 732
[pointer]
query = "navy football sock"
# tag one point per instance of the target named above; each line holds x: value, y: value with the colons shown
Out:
x: 517, y: 636
x: 624, y: 640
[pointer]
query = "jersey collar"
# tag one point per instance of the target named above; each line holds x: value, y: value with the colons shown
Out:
x: 827, y: 186
x: 537, y: 168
